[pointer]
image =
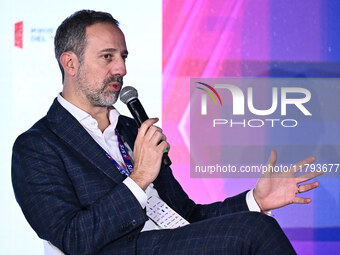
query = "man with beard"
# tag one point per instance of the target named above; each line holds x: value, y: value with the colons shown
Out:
x: 78, y: 192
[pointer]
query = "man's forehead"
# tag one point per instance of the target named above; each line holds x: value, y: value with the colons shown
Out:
x: 105, y: 32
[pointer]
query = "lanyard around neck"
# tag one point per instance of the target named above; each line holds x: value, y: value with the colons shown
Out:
x: 125, y: 155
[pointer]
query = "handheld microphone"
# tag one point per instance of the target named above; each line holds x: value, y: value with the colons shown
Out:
x: 129, y: 96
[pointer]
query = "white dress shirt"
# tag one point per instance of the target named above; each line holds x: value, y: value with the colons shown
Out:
x: 109, y: 142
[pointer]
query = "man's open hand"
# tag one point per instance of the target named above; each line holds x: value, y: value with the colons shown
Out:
x: 274, y: 190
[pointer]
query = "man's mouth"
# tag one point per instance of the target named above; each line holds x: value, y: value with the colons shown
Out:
x: 115, y: 86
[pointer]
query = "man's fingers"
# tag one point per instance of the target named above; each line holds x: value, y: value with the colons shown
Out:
x: 271, y: 163
x: 159, y: 140
x: 153, y: 135
x: 163, y: 146
x: 301, y: 200
x: 152, y: 132
x: 146, y: 125
x: 272, y: 158
x: 308, y: 176
x: 305, y: 188
x: 308, y: 186
x: 157, y: 137
x: 302, y: 164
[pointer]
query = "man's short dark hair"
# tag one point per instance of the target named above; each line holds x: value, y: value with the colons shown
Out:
x: 71, y: 34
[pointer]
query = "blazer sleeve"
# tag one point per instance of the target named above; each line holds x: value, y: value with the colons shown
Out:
x: 49, y: 202
x: 171, y: 192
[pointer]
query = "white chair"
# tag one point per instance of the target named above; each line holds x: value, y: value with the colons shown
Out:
x: 50, y: 249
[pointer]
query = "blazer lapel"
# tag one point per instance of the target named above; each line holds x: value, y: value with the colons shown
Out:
x: 70, y: 130
x: 127, y: 130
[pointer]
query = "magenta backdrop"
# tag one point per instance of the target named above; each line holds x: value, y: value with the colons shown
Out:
x: 244, y: 38
x: 203, y: 39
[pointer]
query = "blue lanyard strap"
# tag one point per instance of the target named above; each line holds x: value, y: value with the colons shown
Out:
x: 125, y: 155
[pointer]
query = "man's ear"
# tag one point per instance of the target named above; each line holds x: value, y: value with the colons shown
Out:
x: 70, y: 63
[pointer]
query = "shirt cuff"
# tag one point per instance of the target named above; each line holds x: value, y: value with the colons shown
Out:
x: 136, y: 191
x: 251, y: 203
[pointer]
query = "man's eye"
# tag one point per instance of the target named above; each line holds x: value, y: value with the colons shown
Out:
x: 124, y: 57
x: 107, y: 56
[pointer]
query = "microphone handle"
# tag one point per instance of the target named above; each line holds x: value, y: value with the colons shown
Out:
x: 140, y: 116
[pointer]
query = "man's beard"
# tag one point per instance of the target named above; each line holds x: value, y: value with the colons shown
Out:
x: 102, y: 97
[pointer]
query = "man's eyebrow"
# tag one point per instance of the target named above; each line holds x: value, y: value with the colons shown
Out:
x: 125, y: 52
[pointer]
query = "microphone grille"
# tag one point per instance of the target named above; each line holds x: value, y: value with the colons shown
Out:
x: 127, y: 94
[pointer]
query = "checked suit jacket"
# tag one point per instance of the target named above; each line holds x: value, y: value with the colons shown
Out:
x: 73, y: 196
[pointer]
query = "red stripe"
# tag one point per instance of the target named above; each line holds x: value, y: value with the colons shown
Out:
x: 214, y: 90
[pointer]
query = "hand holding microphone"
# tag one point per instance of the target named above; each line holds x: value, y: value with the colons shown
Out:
x: 150, y: 150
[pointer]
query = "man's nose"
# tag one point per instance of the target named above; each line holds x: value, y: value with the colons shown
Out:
x: 118, y: 67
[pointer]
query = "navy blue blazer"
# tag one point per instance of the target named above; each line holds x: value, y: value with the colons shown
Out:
x: 73, y: 196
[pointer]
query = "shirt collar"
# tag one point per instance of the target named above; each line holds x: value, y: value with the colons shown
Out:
x: 81, y: 115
